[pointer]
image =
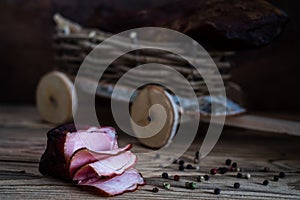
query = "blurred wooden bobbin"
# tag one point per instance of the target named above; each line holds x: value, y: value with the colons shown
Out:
x: 54, y: 97
x: 146, y: 98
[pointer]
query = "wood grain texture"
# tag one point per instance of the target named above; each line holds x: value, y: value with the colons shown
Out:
x: 23, y: 139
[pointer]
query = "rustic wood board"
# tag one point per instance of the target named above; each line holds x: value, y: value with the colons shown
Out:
x: 23, y: 139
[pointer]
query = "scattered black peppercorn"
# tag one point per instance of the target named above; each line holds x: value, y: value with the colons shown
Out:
x: 176, y: 178
x: 181, y: 162
x: 276, y: 178
x: 181, y: 168
x: 234, y: 165
x: 281, y: 175
x: 228, y: 162
x: 175, y: 161
x: 155, y: 190
x: 266, y: 182
x: 222, y: 170
x: 206, y: 177
x: 217, y: 191
x: 236, y: 185
x: 239, y: 175
x: 165, y: 175
x: 213, y: 171
x: 189, y: 166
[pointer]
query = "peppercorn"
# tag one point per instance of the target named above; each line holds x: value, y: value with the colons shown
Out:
x: 217, y: 191
x: 239, y: 175
x: 222, y: 170
x: 234, y: 165
x: 228, y: 162
x: 236, y: 185
x: 176, y: 178
x: 191, y: 185
x: 155, y: 190
x: 266, y: 182
x: 213, y: 171
x: 276, y: 178
x: 181, y: 168
x: 181, y: 162
x: 165, y: 175
x: 206, y: 177
x: 167, y: 186
x: 248, y: 176
x: 175, y: 161
x: 200, y: 178
x: 266, y: 169
x: 281, y: 175
x: 189, y: 166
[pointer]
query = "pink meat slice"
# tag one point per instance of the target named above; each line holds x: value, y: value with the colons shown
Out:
x: 85, y: 156
x: 110, y: 132
x: 110, y: 166
x: 94, y: 139
x: 126, y: 182
x: 93, y: 157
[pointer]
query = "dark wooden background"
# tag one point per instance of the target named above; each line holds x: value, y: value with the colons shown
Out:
x: 269, y: 75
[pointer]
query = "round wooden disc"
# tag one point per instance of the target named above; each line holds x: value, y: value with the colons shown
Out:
x: 54, y: 98
x: 147, y: 97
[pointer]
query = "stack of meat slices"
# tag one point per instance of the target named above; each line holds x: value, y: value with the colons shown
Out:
x: 90, y: 157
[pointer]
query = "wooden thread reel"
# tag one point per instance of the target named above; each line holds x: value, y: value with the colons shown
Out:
x: 54, y: 97
x: 140, y: 107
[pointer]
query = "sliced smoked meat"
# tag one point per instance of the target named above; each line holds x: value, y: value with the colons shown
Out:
x: 126, y: 182
x: 65, y: 140
x: 93, y: 139
x: 113, y: 165
x: 85, y: 156
x: 91, y: 157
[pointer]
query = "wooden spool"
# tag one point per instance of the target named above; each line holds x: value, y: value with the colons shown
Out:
x: 54, y: 97
x: 140, y: 108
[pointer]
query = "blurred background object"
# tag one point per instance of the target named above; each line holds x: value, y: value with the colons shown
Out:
x: 267, y: 74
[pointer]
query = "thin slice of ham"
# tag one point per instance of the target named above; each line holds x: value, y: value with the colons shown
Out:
x: 94, y: 139
x: 86, y: 156
x: 126, y: 182
x: 110, y: 166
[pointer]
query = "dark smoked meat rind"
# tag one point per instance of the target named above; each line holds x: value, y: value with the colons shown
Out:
x: 53, y: 162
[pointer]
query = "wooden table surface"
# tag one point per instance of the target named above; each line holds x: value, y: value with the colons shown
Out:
x: 23, y: 139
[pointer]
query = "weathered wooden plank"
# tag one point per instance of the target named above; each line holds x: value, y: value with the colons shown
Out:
x: 21, y: 146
